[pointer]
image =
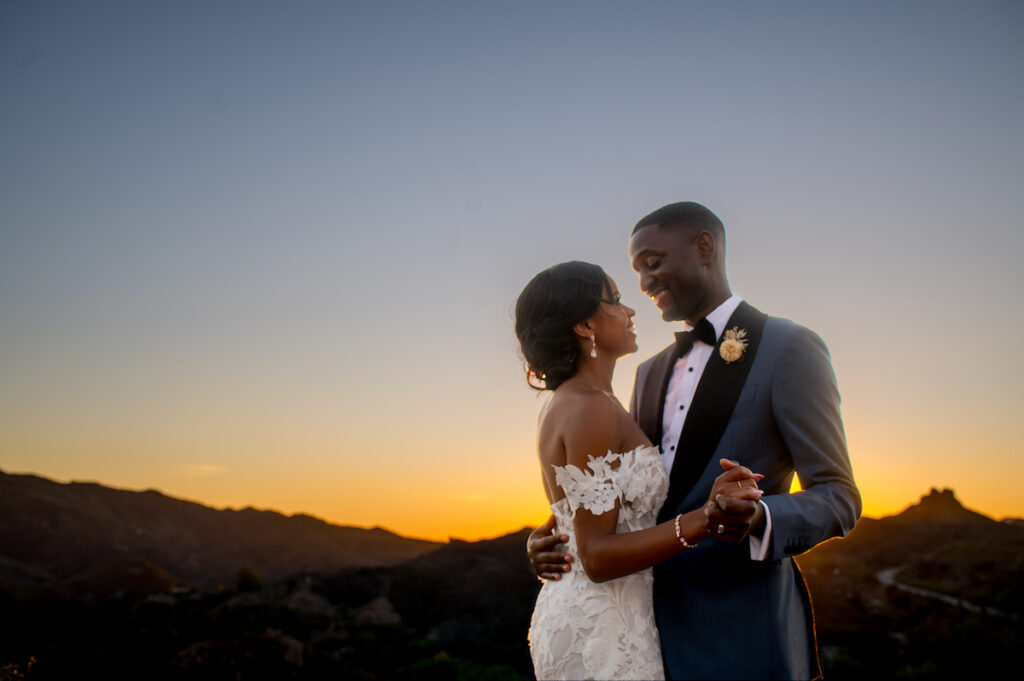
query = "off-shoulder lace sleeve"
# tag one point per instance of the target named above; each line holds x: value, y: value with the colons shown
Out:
x: 596, y: 491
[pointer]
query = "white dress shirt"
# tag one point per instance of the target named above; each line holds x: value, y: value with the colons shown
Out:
x: 679, y: 397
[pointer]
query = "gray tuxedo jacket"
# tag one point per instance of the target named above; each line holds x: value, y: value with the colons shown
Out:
x: 722, y: 615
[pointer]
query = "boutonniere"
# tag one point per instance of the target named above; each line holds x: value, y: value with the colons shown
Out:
x: 733, y: 345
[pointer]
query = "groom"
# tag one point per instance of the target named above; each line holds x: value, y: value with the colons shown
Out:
x: 749, y: 388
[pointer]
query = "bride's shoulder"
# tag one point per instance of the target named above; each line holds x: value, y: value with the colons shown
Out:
x: 573, y: 403
x: 584, y: 423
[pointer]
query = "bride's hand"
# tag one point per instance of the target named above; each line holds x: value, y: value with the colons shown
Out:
x: 732, y: 510
x: 546, y: 563
x: 736, y: 481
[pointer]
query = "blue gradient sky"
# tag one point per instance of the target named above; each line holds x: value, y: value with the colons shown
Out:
x: 266, y: 253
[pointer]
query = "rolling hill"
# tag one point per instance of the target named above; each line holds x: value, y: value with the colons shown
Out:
x: 53, y: 531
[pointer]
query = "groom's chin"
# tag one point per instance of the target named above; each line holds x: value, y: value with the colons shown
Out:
x: 671, y: 315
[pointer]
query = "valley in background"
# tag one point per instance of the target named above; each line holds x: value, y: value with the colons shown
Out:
x: 125, y: 584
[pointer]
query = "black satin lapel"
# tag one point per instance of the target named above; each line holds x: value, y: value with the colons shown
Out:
x: 653, y: 406
x: 717, y: 392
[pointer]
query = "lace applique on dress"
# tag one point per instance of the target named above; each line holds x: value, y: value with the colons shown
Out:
x: 639, y: 481
x: 595, y: 491
x: 585, y: 630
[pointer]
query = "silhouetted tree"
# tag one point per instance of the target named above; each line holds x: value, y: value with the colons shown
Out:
x: 249, y: 579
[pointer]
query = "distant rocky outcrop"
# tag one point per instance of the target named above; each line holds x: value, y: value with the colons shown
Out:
x: 935, y: 523
x: 934, y: 592
x: 55, y: 532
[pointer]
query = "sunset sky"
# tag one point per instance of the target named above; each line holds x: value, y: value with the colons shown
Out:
x: 265, y: 253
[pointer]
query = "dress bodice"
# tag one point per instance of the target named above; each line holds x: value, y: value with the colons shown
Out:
x: 636, y: 479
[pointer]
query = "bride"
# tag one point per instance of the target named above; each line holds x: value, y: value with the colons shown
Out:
x: 604, y: 480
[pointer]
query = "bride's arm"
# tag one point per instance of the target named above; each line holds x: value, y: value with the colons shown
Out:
x: 594, y: 429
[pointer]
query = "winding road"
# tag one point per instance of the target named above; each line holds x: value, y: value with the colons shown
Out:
x: 888, y: 578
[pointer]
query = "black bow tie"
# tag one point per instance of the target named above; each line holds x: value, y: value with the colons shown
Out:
x: 703, y: 332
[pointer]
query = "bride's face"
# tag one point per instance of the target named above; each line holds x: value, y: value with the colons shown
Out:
x: 613, y: 323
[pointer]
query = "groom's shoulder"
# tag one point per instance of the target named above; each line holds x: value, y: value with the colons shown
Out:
x: 786, y: 332
x: 785, y: 326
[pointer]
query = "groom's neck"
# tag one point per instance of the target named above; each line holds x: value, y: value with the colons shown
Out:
x: 719, y: 296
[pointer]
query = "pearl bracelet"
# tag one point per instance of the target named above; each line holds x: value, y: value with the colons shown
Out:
x: 680, y: 537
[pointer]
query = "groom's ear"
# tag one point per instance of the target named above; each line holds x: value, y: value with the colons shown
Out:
x: 707, y: 247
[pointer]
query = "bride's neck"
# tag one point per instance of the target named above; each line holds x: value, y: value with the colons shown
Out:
x: 597, y: 373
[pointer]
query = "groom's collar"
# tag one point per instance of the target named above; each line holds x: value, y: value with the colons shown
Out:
x: 719, y: 317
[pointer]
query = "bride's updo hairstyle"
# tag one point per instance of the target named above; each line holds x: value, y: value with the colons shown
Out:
x: 549, y: 307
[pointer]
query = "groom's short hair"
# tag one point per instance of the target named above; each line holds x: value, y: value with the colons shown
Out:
x: 686, y: 214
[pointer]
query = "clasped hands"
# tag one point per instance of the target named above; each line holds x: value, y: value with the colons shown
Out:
x: 733, y: 507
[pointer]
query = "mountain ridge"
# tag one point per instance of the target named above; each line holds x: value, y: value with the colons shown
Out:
x: 58, y: 530
x: 165, y: 495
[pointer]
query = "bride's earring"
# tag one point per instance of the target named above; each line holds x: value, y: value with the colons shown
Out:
x: 593, y: 347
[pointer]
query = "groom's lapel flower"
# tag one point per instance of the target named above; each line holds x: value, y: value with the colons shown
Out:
x: 733, y: 345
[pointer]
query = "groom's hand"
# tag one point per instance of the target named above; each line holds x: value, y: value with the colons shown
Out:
x: 736, y: 518
x: 540, y: 545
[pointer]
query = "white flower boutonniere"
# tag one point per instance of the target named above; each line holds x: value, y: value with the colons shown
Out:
x: 734, y: 345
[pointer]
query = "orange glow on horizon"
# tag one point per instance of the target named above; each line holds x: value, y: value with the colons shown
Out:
x: 468, y: 516
x: 456, y: 492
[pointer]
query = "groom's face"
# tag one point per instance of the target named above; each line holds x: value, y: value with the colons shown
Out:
x: 669, y: 263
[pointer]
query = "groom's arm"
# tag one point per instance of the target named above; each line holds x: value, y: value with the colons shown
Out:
x: 805, y: 404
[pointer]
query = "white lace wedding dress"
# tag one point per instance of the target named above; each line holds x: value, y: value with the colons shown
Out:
x: 585, y: 630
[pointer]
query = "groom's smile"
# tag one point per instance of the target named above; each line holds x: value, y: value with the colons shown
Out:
x: 661, y: 297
